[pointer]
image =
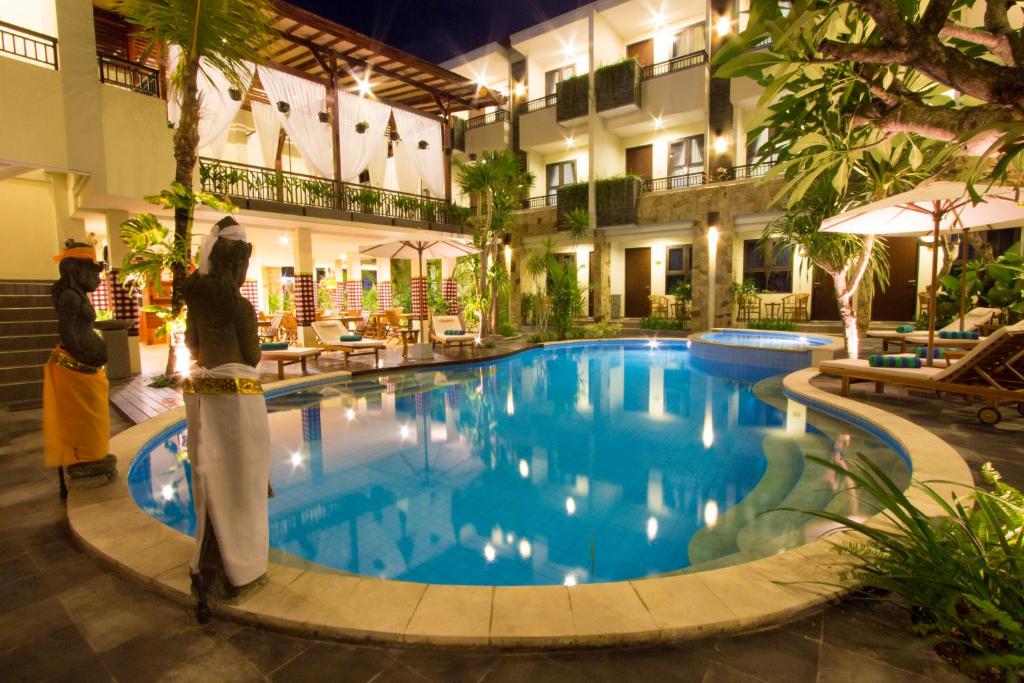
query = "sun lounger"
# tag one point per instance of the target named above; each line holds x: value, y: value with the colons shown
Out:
x: 973, y: 320
x: 329, y: 333
x: 993, y: 372
x: 290, y: 356
x: 441, y: 327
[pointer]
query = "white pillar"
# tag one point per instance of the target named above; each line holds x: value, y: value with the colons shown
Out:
x: 305, y: 291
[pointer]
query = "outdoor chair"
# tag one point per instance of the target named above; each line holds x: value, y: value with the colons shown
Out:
x: 289, y: 329
x: 273, y: 329
x: 749, y: 308
x: 794, y: 306
x: 974, y: 319
x: 993, y: 372
x: 441, y: 328
x: 659, y: 306
x: 329, y: 333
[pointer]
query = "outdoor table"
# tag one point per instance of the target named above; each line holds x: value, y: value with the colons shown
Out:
x: 773, y: 307
x: 408, y: 335
x: 290, y: 356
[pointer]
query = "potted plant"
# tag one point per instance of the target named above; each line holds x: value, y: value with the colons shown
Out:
x: 721, y: 173
x: 423, y: 144
x: 393, y: 136
x: 362, y: 127
x: 283, y: 107
x: 235, y: 94
x: 324, y: 117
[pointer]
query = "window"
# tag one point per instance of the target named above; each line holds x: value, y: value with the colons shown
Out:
x: 754, y: 146
x: 679, y: 266
x: 555, y: 76
x: 364, y: 176
x: 686, y: 156
x: 768, y: 264
x: 689, y: 40
x: 561, y: 173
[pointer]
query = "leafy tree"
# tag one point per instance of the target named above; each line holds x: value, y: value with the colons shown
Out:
x: 218, y: 34
x: 496, y: 182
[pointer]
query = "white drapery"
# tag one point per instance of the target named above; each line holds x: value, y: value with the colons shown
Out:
x: 367, y: 150
x: 268, y: 129
x: 216, y: 108
x: 429, y: 162
x: 306, y: 100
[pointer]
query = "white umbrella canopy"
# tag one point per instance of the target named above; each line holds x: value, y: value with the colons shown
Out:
x: 420, y: 249
x: 933, y: 206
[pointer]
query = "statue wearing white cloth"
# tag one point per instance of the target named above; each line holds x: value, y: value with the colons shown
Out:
x: 228, y: 431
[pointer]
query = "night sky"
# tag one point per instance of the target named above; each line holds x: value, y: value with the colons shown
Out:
x: 438, y: 30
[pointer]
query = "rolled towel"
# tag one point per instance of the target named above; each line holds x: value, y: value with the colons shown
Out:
x: 273, y: 346
x: 877, y: 361
x: 454, y: 333
x: 905, y: 329
x: 351, y: 337
x: 956, y: 334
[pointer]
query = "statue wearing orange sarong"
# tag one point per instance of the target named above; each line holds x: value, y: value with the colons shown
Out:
x: 76, y: 421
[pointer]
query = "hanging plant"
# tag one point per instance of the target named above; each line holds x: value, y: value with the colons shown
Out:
x: 423, y: 144
x: 394, y: 136
x: 362, y: 127
x: 283, y: 107
x: 324, y: 118
x: 170, y: 124
x: 235, y: 94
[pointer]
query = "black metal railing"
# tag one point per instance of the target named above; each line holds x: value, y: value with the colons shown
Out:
x: 674, y: 182
x: 22, y: 42
x: 677, y: 64
x: 266, y: 184
x: 756, y: 170
x: 541, y: 201
x: 763, y: 42
x: 538, y: 104
x: 135, y: 77
x: 489, y: 118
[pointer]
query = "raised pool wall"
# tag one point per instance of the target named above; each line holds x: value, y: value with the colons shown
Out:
x: 781, y: 360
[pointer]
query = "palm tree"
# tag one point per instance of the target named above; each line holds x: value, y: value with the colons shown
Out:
x: 496, y: 182
x: 218, y: 34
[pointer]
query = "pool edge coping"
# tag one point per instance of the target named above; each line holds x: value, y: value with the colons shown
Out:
x: 110, y: 526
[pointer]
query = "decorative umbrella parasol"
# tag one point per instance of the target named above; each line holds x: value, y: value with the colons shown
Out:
x: 420, y: 249
x: 933, y: 206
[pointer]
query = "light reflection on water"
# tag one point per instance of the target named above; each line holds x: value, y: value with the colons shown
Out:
x: 566, y: 465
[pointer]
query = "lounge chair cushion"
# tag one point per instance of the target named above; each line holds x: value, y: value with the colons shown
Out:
x: 453, y: 333
x: 957, y: 334
x: 351, y: 337
x: 877, y: 361
x: 273, y: 346
x: 903, y: 329
x: 849, y: 364
x: 361, y: 344
x: 937, y: 352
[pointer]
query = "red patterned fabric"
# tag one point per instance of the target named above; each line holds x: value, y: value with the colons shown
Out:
x: 251, y: 293
x: 450, y: 291
x: 419, y: 297
x: 125, y: 304
x: 384, y: 295
x: 305, y: 300
x: 354, y: 289
x: 100, y: 299
x: 338, y: 297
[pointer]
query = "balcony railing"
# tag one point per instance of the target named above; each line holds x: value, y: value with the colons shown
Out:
x: 764, y: 42
x: 135, y: 77
x: 677, y: 64
x: 541, y: 201
x: 675, y: 181
x: 745, y: 172
x: 752, y: 170
x: 486, y: 119
x: 538, y: 104
x: 266, y: 184
x: 35, y: 47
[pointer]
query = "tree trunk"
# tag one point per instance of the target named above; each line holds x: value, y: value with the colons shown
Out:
x: 186, y: 146
x: 847, y: 314
x: 484, y: 254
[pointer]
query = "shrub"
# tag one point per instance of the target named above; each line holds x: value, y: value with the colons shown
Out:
x: 963, y: 573
x: 507, y: 329
x: 658, y: 323
x: 541, y: 337
x: 772, y: 324
x: 601, y: 331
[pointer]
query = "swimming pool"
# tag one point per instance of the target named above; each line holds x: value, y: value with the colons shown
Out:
x: 741, y: 352
x: 569, y: 464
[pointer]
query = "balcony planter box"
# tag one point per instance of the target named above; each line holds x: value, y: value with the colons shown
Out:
x: 458, y: 134
x: 571, y: 107
x: 616, y: 200
x: 618, y: 87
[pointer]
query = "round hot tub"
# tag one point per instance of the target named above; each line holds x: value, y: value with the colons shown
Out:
x: 761, y: 352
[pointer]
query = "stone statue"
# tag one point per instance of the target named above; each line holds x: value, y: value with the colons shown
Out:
x: 228, y: 431
x: 76, y: 418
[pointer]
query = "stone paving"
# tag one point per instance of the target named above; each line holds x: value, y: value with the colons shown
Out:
x: 64, y: 617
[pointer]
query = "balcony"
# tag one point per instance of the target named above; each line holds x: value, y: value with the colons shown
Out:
x: 489, y: 132
x: 540, y: 202
x: 538, y: 104
x: 26, y: 45
x: 675, y: 64
x: 265, y: 189
x: 673, y: 90
x: 129, y: 75
x: 616, y: 200
x: 618, y: 88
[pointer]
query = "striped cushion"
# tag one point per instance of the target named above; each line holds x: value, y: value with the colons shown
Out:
x: 956, y: 334
x: 454, y: 333
x: 937, y: 352
x: 904, y: 329
x: 877, y: 361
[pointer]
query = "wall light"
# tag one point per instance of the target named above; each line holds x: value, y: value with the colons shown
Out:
x: 570, y: 142
x: 570, y: 51
x: 721, y: 144
x: 723, y: 26
x: 519, y: 89
x: 284, y: 241
x: 658, y: 123
x: 658, y: 19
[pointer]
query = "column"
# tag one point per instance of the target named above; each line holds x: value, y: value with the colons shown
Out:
x: 721, y: 140
x: 601, y: 266
x: 449, y: 287
x: 338, y: 293
x: 354, y: 281
x: 124, y: 303
x: 384, y: 290
x: 712, y: 271
x: 419, y: 290
x: 305, y: 292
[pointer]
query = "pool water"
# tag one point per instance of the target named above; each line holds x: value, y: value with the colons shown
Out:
x: 765, y: 340
x: 568, y: 464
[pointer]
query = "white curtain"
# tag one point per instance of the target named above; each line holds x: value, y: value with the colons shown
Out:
x: 367, y: 150
x: 405, y: 167
x: 268, y: 129
x: 429, y: 162
x: 306, y: 100
x: 216, y: 109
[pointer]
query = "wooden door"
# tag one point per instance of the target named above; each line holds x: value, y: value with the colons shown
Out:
x: 823, y: 296
x: 640, y: 161
x: 643, y: 52
x: 898, y: 301
x: 638, y: 282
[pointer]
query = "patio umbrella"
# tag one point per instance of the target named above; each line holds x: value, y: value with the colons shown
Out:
x: 420, y: 249
x: 933, y: 206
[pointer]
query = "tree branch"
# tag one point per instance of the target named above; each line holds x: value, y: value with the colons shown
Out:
x: 890, y: 22
x: 998, y: 23
x: 997, y: 45
x: 935, y: 16
x: 910, y: 116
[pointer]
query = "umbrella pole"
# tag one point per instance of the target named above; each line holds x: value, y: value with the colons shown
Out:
x: 423, y: 301
x: 937, y: 218
x: 963, y: 277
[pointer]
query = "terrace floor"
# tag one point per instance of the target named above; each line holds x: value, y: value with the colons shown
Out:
x: 65, y: 617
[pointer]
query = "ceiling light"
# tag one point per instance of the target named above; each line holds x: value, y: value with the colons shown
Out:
x: 658, y: 19
x: 724, y: 25
x: 363, y: 85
